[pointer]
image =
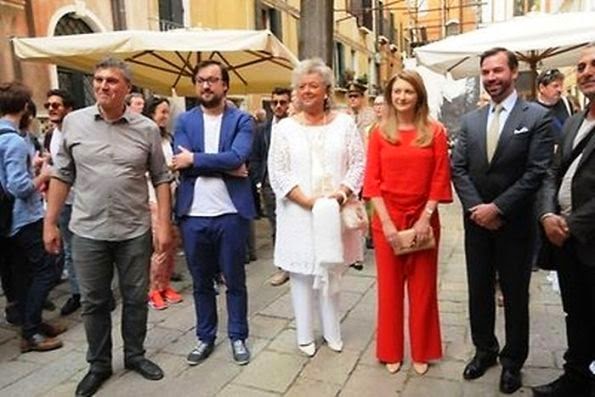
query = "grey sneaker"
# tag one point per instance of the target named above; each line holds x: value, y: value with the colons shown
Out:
x: 200, y: 353
x: 241, y: 354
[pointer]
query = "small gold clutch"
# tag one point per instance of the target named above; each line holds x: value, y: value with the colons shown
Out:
x: 409, y: 244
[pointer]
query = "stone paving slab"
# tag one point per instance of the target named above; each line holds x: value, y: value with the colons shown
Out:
x: 331, y: 367
x: 374, y: 379
x: 272, y: 371
x: 311, y: 387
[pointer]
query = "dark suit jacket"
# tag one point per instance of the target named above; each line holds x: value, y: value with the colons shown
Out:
x: 581, y: 221
x: 260, y: 152
x: 517, y: 168
x: 235, y: 145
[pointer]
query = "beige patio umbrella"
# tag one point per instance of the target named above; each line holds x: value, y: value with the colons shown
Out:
x: 163, y: 61
x: 540, y: 41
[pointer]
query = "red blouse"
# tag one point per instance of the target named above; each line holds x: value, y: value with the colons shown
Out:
x: 407, y: 174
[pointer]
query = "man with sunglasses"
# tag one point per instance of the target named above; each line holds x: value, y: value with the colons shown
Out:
x: 363, y: 114
x: 58, y: 104
x: 280, y: 100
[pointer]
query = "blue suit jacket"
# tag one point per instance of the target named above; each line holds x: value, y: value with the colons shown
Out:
x: 235, y: 145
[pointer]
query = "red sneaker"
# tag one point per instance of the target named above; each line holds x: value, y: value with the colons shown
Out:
x: 156, y: 301
x: 171, y: 295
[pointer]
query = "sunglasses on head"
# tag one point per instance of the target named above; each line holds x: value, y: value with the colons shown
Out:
x: 53, y: 105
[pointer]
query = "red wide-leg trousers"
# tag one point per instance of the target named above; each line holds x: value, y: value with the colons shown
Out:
x: 419, y: 272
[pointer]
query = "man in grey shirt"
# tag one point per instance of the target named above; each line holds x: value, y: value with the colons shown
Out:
x: 105, y: 155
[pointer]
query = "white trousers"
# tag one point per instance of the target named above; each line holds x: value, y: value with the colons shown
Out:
x: 303, y: 296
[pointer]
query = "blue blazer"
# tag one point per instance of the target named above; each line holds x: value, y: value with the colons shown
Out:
x: 235, y: 145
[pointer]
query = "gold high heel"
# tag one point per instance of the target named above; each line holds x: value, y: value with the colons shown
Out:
x: 421, y: 368
x: 393, y: 368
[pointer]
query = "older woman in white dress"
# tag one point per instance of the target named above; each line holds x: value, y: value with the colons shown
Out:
x: 316, y: 157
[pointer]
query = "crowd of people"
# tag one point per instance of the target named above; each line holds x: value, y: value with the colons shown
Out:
x: 102, y: 200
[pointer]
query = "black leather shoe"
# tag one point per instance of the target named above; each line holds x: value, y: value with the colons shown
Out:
x: 147, y: 368
x: 72, y: 304
x: 13, y: 316
x: 49, y: 305
x: 478, y: 366
x: 91, y: 383
x: 510, y: 380
x: 562, y: 387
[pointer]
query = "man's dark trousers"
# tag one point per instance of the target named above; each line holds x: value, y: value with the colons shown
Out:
x: 270, y: 206
x: 34, y: 274
x: 94, y: 265
x: 214, y: 244
x: 577, y: 287
x: 505, y: 252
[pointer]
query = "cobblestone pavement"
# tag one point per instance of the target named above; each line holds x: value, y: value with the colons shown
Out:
x: 277, y: 367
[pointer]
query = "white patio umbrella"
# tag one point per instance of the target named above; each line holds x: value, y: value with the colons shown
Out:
x: 163, y: 61
x: 539, y: 40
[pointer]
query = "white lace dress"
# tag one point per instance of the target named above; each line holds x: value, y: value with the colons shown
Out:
x: 318, y: 159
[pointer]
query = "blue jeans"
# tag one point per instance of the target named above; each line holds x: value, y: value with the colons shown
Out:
x: 213, y: 245
x: 34, y: 274
x: 94, y: 262
x: 67, y: 247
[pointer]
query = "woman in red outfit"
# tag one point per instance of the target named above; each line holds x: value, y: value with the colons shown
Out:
x: 407, y: 175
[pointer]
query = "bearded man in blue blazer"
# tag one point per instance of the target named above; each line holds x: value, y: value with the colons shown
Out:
x: 499, y: 162
x: 212, y: 143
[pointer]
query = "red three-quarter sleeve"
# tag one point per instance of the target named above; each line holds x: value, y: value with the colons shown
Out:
x: 373, y: 174
x: 440, y: 188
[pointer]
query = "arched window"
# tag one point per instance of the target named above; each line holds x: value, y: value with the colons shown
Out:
x: 80, y: 85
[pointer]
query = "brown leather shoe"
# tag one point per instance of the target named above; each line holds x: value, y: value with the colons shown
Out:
x: 40, y: 343
x: 52, y: 330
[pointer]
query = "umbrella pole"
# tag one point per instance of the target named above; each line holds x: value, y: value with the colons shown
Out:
x: 533, y: 65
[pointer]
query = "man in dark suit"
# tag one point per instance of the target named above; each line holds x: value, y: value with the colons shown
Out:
x: 499, y: 161
x: 567, y: 214
x: 280, y: 100
x: 214, y: 206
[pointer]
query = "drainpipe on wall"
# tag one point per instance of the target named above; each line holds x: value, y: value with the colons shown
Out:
x: 118, y: 14
x: 29, y: 18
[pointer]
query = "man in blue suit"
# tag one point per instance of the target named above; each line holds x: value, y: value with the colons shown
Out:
x: 214, y: 206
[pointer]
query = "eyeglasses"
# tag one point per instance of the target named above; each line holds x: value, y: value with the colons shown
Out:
x: 209, y: 80
x: 351, y: 96
x: 281, y: 102
x: 53, y: 105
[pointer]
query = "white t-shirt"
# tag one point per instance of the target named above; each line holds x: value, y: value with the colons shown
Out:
x: 565, y: 192
x: 211, y: 197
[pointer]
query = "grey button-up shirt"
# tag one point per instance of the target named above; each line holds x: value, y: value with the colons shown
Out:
x: 107, y: 163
